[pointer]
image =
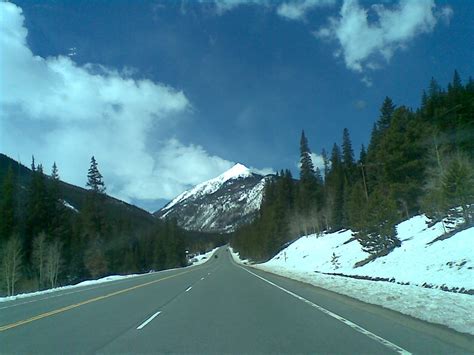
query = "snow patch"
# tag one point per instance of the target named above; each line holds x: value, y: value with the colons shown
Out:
x: 68, y: 205
x: 201, y: 259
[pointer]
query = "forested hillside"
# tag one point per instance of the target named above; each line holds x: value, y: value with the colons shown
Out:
x: 416, y: 162
x: 54, y: 233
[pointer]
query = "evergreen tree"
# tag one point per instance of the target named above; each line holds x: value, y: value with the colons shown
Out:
x: 386, y: 112
x: 424, y: 100
x: 308, y: 188
x: 458, y: 186
x: 363, y: 155
x: 378, y: 235
x: 347, y: 151
x: 470, y: 86
x: 434, y: 89
x: 94, y: 178
x: 38, y: 217
x: 457, y: 83
x: 59, y: 222
x: 307, y: 167
x: 335, y: 186
x: 326, y: 162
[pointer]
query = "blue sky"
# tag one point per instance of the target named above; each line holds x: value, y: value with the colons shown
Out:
x: 167, y: 94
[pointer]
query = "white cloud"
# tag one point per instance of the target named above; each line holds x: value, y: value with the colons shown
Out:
x: 63, y: 112
x: 297, y: 9
x: 362, y: 42
x: 223, y: 6
x: 264, y: 171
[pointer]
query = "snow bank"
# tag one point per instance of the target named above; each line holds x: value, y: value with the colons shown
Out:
x: 201, y: 259
x: 448, y: 263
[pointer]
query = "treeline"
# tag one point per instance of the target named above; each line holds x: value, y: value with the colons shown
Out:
x: 44, y: 242
x: 416, y: 162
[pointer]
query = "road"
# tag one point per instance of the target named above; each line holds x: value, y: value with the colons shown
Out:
x: 218, y: 307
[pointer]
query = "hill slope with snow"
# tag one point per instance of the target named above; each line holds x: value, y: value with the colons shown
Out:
x: 218, y: 205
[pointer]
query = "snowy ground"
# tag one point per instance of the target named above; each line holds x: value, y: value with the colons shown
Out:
x: 448, y: 263
x: 201, y: 259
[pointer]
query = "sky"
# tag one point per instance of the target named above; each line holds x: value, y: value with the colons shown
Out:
x: 167, y: 94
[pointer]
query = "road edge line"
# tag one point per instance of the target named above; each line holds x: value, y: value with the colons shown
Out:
x: 347, y: 322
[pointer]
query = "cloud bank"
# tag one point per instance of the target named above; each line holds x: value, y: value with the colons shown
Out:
x: 362, y: 43
x: 367, y: 38
x: 63, y: 112
x: 297, y: 9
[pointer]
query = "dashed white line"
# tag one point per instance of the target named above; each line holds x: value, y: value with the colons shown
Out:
x: 148, y: 320
x: 190, y: 287
x: 354, y: 326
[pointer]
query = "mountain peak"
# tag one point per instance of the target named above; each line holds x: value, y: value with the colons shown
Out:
x: 220, y: 204
x: 238, y: 170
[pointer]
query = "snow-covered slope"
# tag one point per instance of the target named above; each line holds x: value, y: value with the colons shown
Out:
x: 412, y: 279
x: 446, y: 264
x: 218, y: 205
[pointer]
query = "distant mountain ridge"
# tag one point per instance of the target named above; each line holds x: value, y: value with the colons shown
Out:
x: 219, y: 205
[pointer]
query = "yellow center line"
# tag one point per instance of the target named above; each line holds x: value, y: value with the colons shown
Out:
x: 72, y: 306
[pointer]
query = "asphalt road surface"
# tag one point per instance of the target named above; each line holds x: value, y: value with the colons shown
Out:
x: 218, y: 307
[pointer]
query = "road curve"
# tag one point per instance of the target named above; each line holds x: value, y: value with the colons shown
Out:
x: 218, y: 307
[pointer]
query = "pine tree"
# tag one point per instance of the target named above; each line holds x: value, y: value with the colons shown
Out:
x: 54, y: 186
x: 94, y: 178
x: 458, y: 186
x: 335, y: 185
x: 347, y: 151
x: 378, y: 235
x: 363, y: 155
x: 307, y: 167
x: 38, y: 208
x: 424, y: 100
x: 308, y: 185
x: 457, y: 83
x: 386, y: 112
x: 59, y: 221
x: 348, y: 161
x: 326, y: 162
x: 470, y: 86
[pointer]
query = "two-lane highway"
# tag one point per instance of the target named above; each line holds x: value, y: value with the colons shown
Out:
x: 218, y: 307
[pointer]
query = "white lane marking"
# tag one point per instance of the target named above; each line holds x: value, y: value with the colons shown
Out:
x: 354, y: 326
x: 148, y: 320
x: 190, y: 287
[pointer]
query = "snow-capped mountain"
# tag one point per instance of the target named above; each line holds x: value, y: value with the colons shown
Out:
x: 218, y: 205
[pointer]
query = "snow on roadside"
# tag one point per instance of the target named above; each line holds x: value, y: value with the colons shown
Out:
x: 446, y: 263
x: 454, y: 310
x: 201, y: 259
